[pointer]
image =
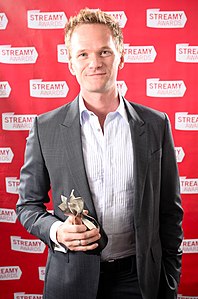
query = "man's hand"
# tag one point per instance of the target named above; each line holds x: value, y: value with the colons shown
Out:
x: 75, y: 236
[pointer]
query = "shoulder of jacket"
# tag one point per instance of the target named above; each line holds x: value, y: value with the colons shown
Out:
x: 146, y: 112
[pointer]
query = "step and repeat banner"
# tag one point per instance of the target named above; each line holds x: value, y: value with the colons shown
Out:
x: 161, y: 71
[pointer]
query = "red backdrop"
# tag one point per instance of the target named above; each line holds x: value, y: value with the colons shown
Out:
x: 161, y: 55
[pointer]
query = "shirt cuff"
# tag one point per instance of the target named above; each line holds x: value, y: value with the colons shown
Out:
x: 53, y: 231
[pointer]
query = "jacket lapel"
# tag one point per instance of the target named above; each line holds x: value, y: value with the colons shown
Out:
x: 139, y: 141
x: 71, y: 134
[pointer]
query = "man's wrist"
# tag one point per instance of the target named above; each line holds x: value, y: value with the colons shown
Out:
x: 53, y: 232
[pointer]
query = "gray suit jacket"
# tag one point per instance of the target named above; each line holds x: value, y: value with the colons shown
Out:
x: 54, y: 160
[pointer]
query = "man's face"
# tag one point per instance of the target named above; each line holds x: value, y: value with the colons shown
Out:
x: 94, y: 58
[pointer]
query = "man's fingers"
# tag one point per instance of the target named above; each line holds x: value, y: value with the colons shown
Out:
x: 82, y: 241
x: 76, y: 237
x: 85, y: 242
x: 92, y: 235
x: 77, y: 245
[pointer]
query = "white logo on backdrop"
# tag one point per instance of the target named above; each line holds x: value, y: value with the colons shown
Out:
x: 23, y: 295
x: 46, y: 20
x: 10, y: 273
x: 139, y: 54
x: 27, y: 245
x: 48, y: 89
x: 165, y: 19
x: 62, y: 53
x: 17, y: 122
x: 179, y: 152
x: 12, y: 184
x: 185, y: 121
x: 186, y: 53
x: 6, y: 155
x: 122, y: 88
x: 190, y: 246
x: 188, y: 186
x: 41, y: 271
x: 17, y: 55
x: 5, y: 89
x: 179, y: 296
x: 165, y: 89
x: 3, y: 21
x: 7, y: 215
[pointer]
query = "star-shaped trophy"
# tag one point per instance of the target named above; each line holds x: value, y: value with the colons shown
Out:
x: 75, y: 206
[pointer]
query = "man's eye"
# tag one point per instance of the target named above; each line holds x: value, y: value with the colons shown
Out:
x: 106, y: 53
x: 82, y: 55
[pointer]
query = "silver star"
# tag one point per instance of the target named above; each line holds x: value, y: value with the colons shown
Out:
x: 72, y: 206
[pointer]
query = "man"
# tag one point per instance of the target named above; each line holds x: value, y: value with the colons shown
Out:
x: 119, y: 157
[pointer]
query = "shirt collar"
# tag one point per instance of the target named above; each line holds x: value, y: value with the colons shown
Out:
x: 84, y: 112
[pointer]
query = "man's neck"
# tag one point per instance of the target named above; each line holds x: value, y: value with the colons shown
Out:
x: 101, y: 103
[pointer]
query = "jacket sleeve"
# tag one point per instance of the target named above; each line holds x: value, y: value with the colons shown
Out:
x: 33, y: 191
x: 171, y: 215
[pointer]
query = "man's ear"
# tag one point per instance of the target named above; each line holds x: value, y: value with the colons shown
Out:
x: 121, y: 65
x: 70, y: 66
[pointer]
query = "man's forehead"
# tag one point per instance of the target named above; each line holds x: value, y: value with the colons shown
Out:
x: 92, y: 37
x: 83, y: 30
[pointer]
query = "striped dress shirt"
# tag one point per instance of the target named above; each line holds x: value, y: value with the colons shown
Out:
x: 108, y: 157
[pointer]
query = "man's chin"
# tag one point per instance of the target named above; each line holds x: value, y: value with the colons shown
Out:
x: 97, y: 89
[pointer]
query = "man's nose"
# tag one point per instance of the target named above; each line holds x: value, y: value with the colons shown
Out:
x: 95, y: 61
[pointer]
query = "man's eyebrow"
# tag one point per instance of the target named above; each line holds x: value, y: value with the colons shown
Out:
x: 105, y: 47
x: 81, y: 50
x: 85, y: 50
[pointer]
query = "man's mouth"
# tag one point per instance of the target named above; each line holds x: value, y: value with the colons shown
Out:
x: 96, y: 74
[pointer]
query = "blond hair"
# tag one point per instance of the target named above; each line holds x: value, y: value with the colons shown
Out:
x: 94, y: 16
